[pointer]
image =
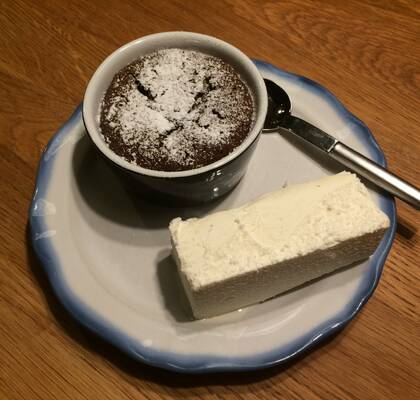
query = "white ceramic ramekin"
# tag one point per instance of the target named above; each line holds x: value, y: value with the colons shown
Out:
x: 195, y: 185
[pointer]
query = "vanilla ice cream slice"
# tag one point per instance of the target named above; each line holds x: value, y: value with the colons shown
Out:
x: 232, y: 259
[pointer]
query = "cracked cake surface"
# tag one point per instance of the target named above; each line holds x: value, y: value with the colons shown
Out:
x: 175, y: 110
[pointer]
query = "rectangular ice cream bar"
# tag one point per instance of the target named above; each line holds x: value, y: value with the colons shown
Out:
x: 232, y: 259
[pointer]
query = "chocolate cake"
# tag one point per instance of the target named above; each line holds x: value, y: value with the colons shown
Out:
x: 175, y: 110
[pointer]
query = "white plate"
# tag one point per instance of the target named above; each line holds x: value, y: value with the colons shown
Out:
x: 107, y: 253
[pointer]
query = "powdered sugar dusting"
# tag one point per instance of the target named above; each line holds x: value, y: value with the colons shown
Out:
x: 176, y: 109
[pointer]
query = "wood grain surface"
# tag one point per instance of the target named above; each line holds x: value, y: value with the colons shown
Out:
x: 365, y: 51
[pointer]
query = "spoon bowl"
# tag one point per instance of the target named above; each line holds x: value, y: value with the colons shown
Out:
x: 278, y: 106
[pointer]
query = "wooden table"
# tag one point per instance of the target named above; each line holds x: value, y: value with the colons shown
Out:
x: 366, y: 52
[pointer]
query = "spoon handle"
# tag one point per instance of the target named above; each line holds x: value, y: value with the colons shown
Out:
x: 352, y: 159
x: 376, y: 174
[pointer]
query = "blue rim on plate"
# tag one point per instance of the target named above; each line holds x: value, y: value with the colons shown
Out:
x: 207, y: 363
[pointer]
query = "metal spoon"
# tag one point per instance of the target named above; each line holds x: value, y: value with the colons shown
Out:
x: 279, y: 117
